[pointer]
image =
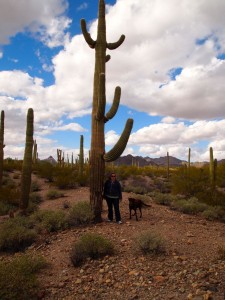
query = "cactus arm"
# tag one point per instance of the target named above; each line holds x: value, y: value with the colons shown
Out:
x: 107, y: 58
x: 116, y: 101
x: 87, y: 35
x: 112, y: 46
x: 101, y: 98
x: 119, y: 147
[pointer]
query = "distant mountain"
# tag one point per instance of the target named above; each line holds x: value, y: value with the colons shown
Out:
x: 140, y: 161
x: 51, y: 160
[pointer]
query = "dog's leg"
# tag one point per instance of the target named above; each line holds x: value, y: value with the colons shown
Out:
x: 130, y: 213
x: 136, y: 214
x: 140, y: 212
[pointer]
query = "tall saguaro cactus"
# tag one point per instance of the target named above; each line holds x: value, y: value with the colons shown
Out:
x: 2, y: 145
x: 212, y: 168
x: 27, y: 162
x: 98, y: 157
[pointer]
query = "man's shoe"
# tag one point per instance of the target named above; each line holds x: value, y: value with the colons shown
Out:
x: 119, y: 222
x: 108, y: 220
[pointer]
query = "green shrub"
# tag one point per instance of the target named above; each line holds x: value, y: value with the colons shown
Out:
x: 64, y: 178
x: 53, y: 194
x: 49, y: 220
x: 5, y: 208
x: 18, y: 278
x: 35, y: 198
x: 10, y: 195
x: 80, y: 213
x: 149, y: 242
x: 189, y: 206
x: 35, y: 186
x: 214, y: 213
x: 90, y: 245
x: 16, y: 234
x: 163, y: 199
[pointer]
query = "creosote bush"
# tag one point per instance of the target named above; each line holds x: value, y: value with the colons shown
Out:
x: 49, y: 220
x: 80, y: 213
x: 189, y: 206
x: 16, y: 234
x: 53, y: 194
x: 149, y: 242
x: 214, y: 213
x: 18, y: 278
x: 90, y: 245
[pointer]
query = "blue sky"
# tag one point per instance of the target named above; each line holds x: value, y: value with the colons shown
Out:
x: 170, y: 68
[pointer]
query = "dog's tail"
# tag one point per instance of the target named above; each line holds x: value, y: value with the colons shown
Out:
x: 146, y: 204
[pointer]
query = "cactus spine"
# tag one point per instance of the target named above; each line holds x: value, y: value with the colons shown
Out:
x: 2, y: 145
x: 27, y: 162
x: 98, y: 157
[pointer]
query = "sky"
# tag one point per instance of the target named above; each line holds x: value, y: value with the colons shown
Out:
x: 170, y: 68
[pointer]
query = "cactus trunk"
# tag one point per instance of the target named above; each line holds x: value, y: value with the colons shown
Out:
x: 2, y: 145
x: 81, y: 156
x: 99, y: 118
x: 27, y: 162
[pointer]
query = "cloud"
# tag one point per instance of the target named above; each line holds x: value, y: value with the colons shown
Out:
x: 160, y: 37
x: 42, y: 18
x: 83, y: 6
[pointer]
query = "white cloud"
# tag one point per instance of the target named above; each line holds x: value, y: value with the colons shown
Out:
x: 160, y: 36
x: 43, y: 18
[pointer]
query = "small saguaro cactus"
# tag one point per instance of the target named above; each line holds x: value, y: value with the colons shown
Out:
x: 2, y: 145
x: 212, y: 168
x: 27, y: 162
x: 168, y: 165
x: 189, y: 158
x: 98, y: 157
x: 81, y: 156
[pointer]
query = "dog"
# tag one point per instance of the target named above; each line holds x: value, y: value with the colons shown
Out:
x: 135, y: 204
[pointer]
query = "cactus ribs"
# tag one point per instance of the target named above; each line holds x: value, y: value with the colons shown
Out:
x: 135, y: 204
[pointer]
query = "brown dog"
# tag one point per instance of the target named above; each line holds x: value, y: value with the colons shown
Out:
x: 135, y: 204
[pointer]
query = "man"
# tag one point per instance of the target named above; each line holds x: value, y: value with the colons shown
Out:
x: 113, y: 194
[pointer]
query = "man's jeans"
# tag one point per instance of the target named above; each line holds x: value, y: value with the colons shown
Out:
x: 113, y: 202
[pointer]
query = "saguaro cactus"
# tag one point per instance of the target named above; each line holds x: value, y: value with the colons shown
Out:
x: 27, y: 162
x: 212, y: 168
x: 1, y: 145
x: 98, y: 157
x: 35, y: 153
x: 168, y: 165
x: 81, y: 156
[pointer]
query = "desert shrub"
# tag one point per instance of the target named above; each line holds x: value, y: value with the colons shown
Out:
x: 64, y: 178
x: 90, y: 245
x: 16, y: 234
x: 214, y: 213
x: 35, y: 198
x: 35, y: 186
x: 46, y: 170
x: 163, y: 199
x: 221, y: 252
x: 135, y: 189
x: 149, y: 242
x: 8, y: 182
x: 49, y: 220
x: 18, y: 277
x: 80, y: 213
x: 189, y: 206
x: 190, y: 181
x: 53, y: 194
x: 10, y: 195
